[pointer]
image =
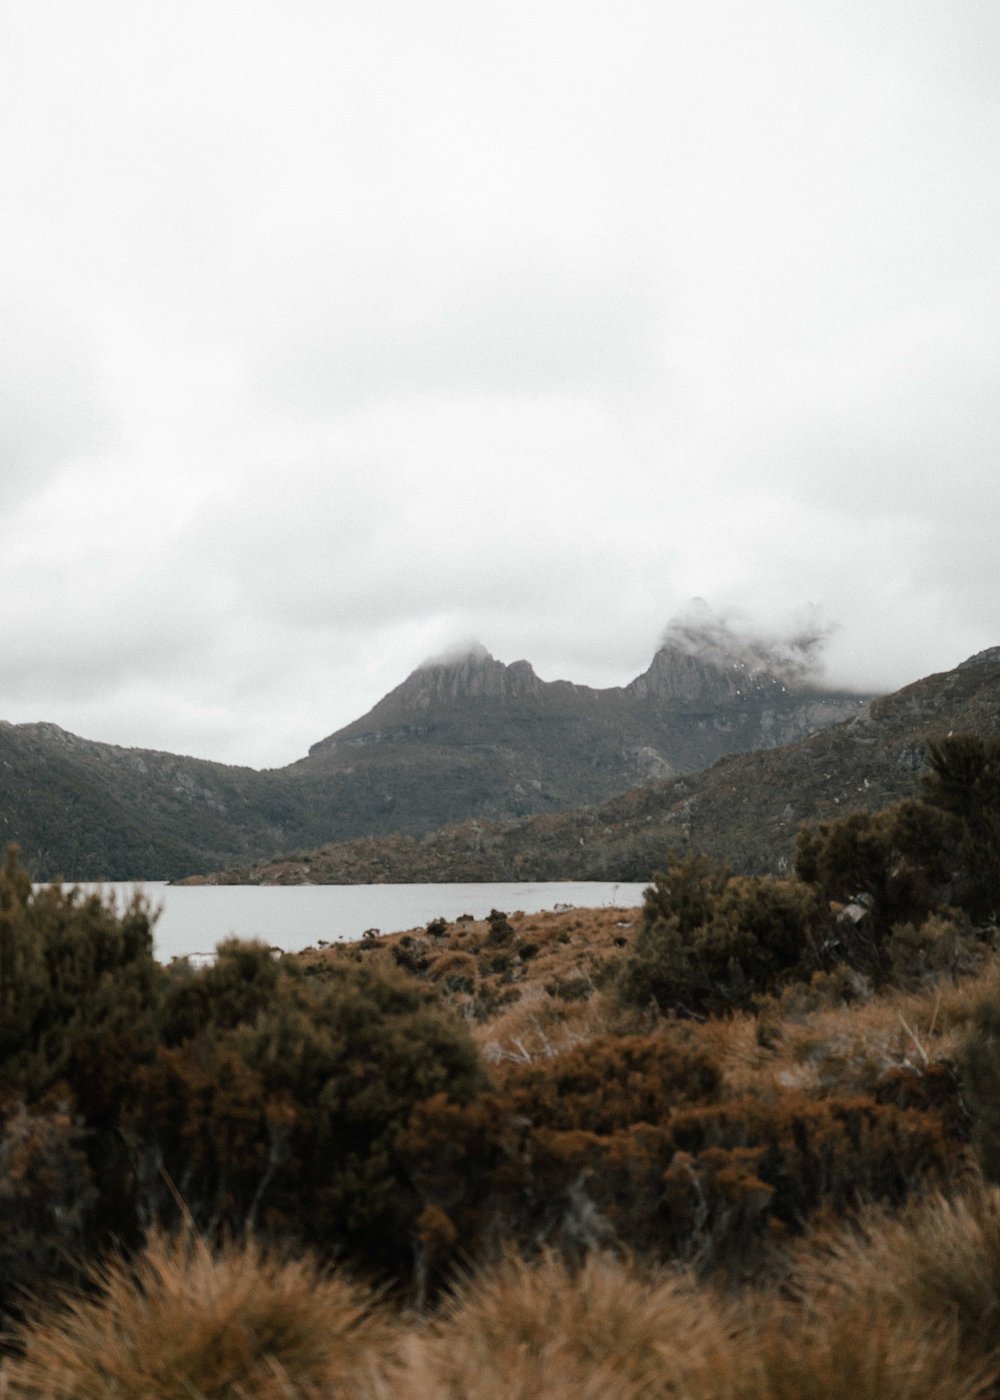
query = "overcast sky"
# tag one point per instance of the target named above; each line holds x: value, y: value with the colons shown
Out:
x: 333, y: 335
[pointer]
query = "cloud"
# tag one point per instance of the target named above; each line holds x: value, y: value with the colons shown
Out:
x: 335, y: 335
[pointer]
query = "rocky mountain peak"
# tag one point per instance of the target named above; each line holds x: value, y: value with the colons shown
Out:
x: 470, y: 674
x: 708, y: 663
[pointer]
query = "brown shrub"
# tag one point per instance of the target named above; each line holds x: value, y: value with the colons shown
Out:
x: 611, y: 1083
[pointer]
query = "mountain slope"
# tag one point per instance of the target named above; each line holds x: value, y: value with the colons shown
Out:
x: 745, y: 809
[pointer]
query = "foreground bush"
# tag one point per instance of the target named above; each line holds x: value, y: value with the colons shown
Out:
x: 285, y: 1115
x: 257, y: 1093
x: 183, y: 1321
x: 716, y: 1184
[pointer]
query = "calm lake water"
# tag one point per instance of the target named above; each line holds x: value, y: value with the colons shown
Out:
x: 194, y: 918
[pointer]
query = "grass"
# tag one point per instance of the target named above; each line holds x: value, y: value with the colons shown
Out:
x: 188, y: 1323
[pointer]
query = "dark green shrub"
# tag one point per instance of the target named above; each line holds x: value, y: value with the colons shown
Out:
x: 501, y: 931
x: 288, y: 1119
x: 80, y: 991
x: 570, y: 988
x: 236, y: 988
x: 900, y: 858
x: 47, y: 1200
x: 710, y: 941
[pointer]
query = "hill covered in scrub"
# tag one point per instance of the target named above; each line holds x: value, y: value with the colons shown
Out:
x: 745, y: 809
x: 741, y: 1142
x: 466, y: 738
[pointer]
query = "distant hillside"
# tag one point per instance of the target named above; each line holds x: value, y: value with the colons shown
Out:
x: 469, y: 738
x: 744, y: 810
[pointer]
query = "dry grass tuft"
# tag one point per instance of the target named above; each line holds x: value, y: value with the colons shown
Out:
x: 843, y: 1353
x: 940, y: 1259
x: 539, y: 1026
x: 531, y: 1330
x: 188, y: 1323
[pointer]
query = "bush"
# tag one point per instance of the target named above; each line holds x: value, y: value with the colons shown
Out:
x: 711, y: 942
x: 899, y: 858
x: 964, y: 782
x: 288, y: 1119
x: 611, y: 1083
x: 47, y: 1200
x: 715, y: 1184
x: 79, y: 988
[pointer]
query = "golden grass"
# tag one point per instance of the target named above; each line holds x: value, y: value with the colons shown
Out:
x: 941, y: 1258
x: 839, y: 1354
x: 531, y: 1330
x: 539, y: 1025
x: 906, y: 1311
x: 188, y: 1323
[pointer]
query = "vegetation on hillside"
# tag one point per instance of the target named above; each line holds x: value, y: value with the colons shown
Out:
x: 742, y: 1142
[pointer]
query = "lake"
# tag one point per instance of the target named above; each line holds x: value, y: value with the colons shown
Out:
x: 194, y: 918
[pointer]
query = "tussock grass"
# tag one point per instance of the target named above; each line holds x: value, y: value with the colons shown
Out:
x: 940, y: 1259
x: 541, y: 1329
x: 188, y: 1323
x: 605, y: 1332
x: 539, y: 1026
x: 840, y: 1354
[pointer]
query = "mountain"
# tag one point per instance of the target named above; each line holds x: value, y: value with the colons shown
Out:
x: 463, y: 737
x: 744, y: 810
x: 469, y: 735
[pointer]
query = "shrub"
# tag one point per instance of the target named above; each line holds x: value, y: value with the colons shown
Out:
x: 712, y: 1183
x: 899, y: 858
x: 79, y: 987
x: 964, y: 782
x: 289, y: 1119
x: 711, y: 942
x: 611, y: 1083
x: 47, y: 1200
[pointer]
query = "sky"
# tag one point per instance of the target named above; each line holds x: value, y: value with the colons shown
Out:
x: 336, y: 336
